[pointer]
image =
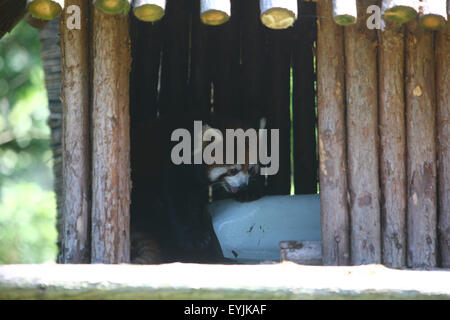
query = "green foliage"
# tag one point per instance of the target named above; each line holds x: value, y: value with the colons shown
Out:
x: 27, y: 204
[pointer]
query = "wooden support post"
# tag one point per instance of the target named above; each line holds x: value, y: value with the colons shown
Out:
x: 362, y: 142
x: 331, y: 120
x: 304, y: 102
x: 392, y: 144
x: 149, y: 10
x: 215, y: 12
x: 443, y: 134
x: 45, y: 9
x: 76, y: 172
x: 110, y: 139
x: 421, y: 147
x: 175, y: 57
x: 199, y: 82
x: 253, y: 62
x: 433, y: 14
x: 224, y: 55
x: 278, y: 14
x: 113, y: 6
x: 344, y: 12
x: 277, y: 95
x: 399, y: 11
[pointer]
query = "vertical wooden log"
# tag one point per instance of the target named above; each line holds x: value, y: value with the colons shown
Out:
x: 399, y: 11
x: 146, y: 57
x: 110, y: 138
x: 76, y: 148
x: 304, y: 102
x: 344, y: 12
x: 421, y: 147
x: 149, y: 10
x: 277, y: 94
x: 51, y: 63
x: 175, y: 57
x: 252, y: 55
x: 362, y: 144
x: 224, y: 56
x: 199, y: 81
x: 443, y: 132
x: 393, y: 145
x: 278, y: 14
x: 113, y: 6
x: 433, y: 14
x: 331, y: 128
x: 215, y: 12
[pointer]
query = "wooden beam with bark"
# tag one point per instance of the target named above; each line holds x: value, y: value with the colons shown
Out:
x: 110, y: 139
x: 149, y: 10
x: 399, y: 11
x: 331, y: 128
x: 443, y: 135
x: 344, y: 12
x: 215, y: 12
x: 278, y: 14
x: 421, y: 147
x: 392, y: 144
x: 433, y: 14
x: 76, y: 172
x: 362, y: 139
x: 45, y: 9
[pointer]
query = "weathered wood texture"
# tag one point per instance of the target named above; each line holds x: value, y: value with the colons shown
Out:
x: 110, y: 139
x: 331, y: 132
x: 51, y: 62
x: 421, y: 147
x: 362, y: 134
x: 392, y: 144
x: 76, y: 147
x: 345, y: 12
x: 399, y: 11
x: 175, y: 57
x: 219, y: 282
x: 301, y: 252
x: 304, y: 102
x: 443, y: 135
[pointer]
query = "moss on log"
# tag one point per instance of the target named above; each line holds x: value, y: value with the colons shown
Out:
x: 45, y: 9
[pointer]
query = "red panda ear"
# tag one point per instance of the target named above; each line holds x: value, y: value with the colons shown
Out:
x: 262, y: 123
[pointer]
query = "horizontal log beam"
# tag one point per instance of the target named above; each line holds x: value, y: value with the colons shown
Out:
x: 283, y: 281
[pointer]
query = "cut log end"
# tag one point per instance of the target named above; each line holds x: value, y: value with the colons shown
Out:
x: 214, y: 17
x: 400, y: 14
x: 432, y: 22
x: 35, y: 22
x: 44, y: 9
x: 278, y: 18
x: 345, y: 19
x: 149, y: 12
x: 113, y: 6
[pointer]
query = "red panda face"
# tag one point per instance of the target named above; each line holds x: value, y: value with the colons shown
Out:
x: 232, y: 177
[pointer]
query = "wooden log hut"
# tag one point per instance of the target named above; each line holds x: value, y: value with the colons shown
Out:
x: 363, y: 113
